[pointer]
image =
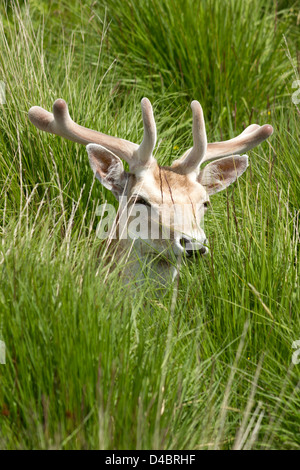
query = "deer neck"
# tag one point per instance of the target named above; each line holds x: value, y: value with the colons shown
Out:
x: 139, y: 267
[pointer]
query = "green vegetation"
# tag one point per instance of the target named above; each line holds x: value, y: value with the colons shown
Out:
x: 209, y: 365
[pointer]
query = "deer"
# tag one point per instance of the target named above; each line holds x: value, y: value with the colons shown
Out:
x: 158, y: 190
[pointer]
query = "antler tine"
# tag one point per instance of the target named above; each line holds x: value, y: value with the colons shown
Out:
x: 193, y: 157
x: 143, y: 154
x: 252, y: 136
x: 60, y: 123
x: 250, y: 129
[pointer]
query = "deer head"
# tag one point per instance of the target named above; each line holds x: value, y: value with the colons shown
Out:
x: 162, y: 190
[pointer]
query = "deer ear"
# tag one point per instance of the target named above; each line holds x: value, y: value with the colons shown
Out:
x: 108, y: 168
x: 217, y: 175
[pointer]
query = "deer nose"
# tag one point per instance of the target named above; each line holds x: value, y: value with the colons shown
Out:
x: 192, y: 248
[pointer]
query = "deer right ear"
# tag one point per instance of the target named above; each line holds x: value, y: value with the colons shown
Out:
x: 108, y: 168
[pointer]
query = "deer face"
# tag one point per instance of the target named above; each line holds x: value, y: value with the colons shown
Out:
x: 172, y: 207
x: 172, y: 200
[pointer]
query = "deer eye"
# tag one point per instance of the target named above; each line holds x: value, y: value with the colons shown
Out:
x: 142, y: 201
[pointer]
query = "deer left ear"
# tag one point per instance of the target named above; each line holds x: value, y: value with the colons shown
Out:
x: 108, y: 168
x: 217, y: 175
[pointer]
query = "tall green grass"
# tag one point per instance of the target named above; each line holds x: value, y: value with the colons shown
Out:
x: 209, y: 365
